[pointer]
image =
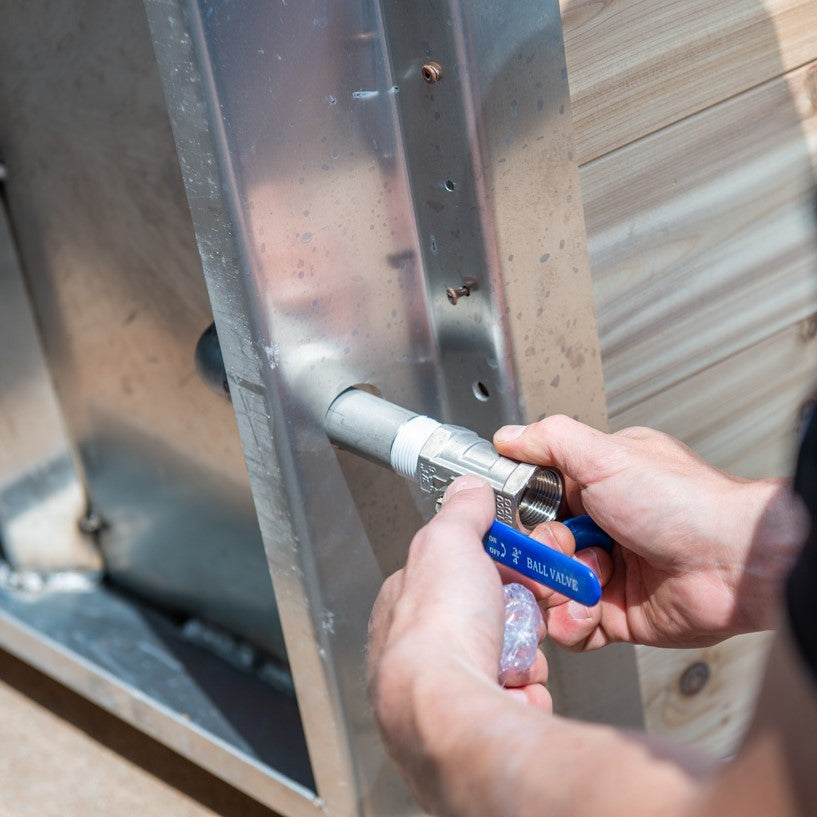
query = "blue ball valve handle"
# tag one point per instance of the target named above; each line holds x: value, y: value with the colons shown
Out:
x: 588, y: 534
x: 546, y: 565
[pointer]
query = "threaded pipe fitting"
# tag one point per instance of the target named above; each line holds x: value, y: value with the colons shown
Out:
x: 541, y: 500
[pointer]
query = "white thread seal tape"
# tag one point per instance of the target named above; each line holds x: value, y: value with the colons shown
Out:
x: 409, y: 442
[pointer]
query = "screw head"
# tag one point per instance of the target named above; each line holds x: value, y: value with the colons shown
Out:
x: 694, y: 678
x: 432, y: 72
x: 454, y: 295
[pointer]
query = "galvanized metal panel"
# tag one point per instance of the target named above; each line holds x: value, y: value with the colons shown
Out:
x: 328, y: 235
x: 135, y: 663
x: 42, y: 498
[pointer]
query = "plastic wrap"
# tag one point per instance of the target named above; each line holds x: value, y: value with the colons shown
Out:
x: 523, y: 622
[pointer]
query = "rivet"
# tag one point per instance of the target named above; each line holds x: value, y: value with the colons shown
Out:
x: 694, y: 678
x: 432, y: 72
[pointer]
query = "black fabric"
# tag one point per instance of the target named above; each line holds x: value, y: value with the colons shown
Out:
x: 801, y: 589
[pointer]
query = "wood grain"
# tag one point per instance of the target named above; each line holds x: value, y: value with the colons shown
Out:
x: 636, y: 66
x: 702, y: 238
x: 696, y: 127
x: 743, y: 413
x: 716, y: 717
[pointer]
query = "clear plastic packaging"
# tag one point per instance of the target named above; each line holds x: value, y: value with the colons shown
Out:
x: 523, y: 622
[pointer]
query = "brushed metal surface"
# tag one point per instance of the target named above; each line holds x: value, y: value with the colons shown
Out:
x: 98, y: 208
x: 134, y: 662
x: 42, y: 497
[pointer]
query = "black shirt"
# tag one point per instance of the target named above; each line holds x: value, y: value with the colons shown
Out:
x: 801, y: 589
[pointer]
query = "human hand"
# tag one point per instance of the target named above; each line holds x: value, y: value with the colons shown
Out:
x: 465, y: 744
x: 701, y: 554
x: 436, y: 631
x: 448, y: 600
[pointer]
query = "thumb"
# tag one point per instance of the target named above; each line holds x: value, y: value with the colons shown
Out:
x: 470, y: 501
x: 572, y: 447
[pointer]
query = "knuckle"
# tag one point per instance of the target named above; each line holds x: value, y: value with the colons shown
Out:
x: 555, y: 423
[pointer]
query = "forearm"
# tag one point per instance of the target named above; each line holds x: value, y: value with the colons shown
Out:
x: 476, y: 751
x: 491, y: 754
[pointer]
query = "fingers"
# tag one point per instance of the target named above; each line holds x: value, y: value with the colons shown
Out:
x: 570, y: 446
x: 568, y: 623
x: 466, y: 513
x: 576, y: 627
x: 469, y: 499
x: 573, y: 625
x: 448, y: 550
x: 559, y: 537
x: 537, y: 673
x: 450, y: 600
x: 554, y: 535
x: 532, y: 695
x: 528, y: 686
x: 599, y: 561
x: 436, y: 562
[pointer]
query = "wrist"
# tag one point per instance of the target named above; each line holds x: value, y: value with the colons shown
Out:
x: 773, y: 527
x: 475, y: 740
x: 420, y: 695
x: 489, y: 754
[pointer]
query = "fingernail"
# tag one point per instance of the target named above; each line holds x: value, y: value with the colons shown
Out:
x: 578, y: 612
x: 462, y: 484
x: 543, y: 533
x: 591, y: 559
x: 508, y: 433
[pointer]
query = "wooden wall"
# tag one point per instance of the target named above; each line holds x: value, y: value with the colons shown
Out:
x: 696, y: 132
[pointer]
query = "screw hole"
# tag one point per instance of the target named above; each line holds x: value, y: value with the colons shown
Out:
x: 449, y: 185
x: 480, y: 391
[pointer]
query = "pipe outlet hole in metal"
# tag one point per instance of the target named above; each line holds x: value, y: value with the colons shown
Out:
x: 480, y: 391
x: 449, y: 185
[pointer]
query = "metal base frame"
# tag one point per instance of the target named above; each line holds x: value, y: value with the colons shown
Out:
x: 135, y: 663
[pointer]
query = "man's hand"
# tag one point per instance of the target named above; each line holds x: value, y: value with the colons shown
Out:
x: 436, y: 632
x: 698, y: 551
x: 465, y: 744
x: 701, y: 555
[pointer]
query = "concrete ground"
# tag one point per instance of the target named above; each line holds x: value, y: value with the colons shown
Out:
x: 61, y: 756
